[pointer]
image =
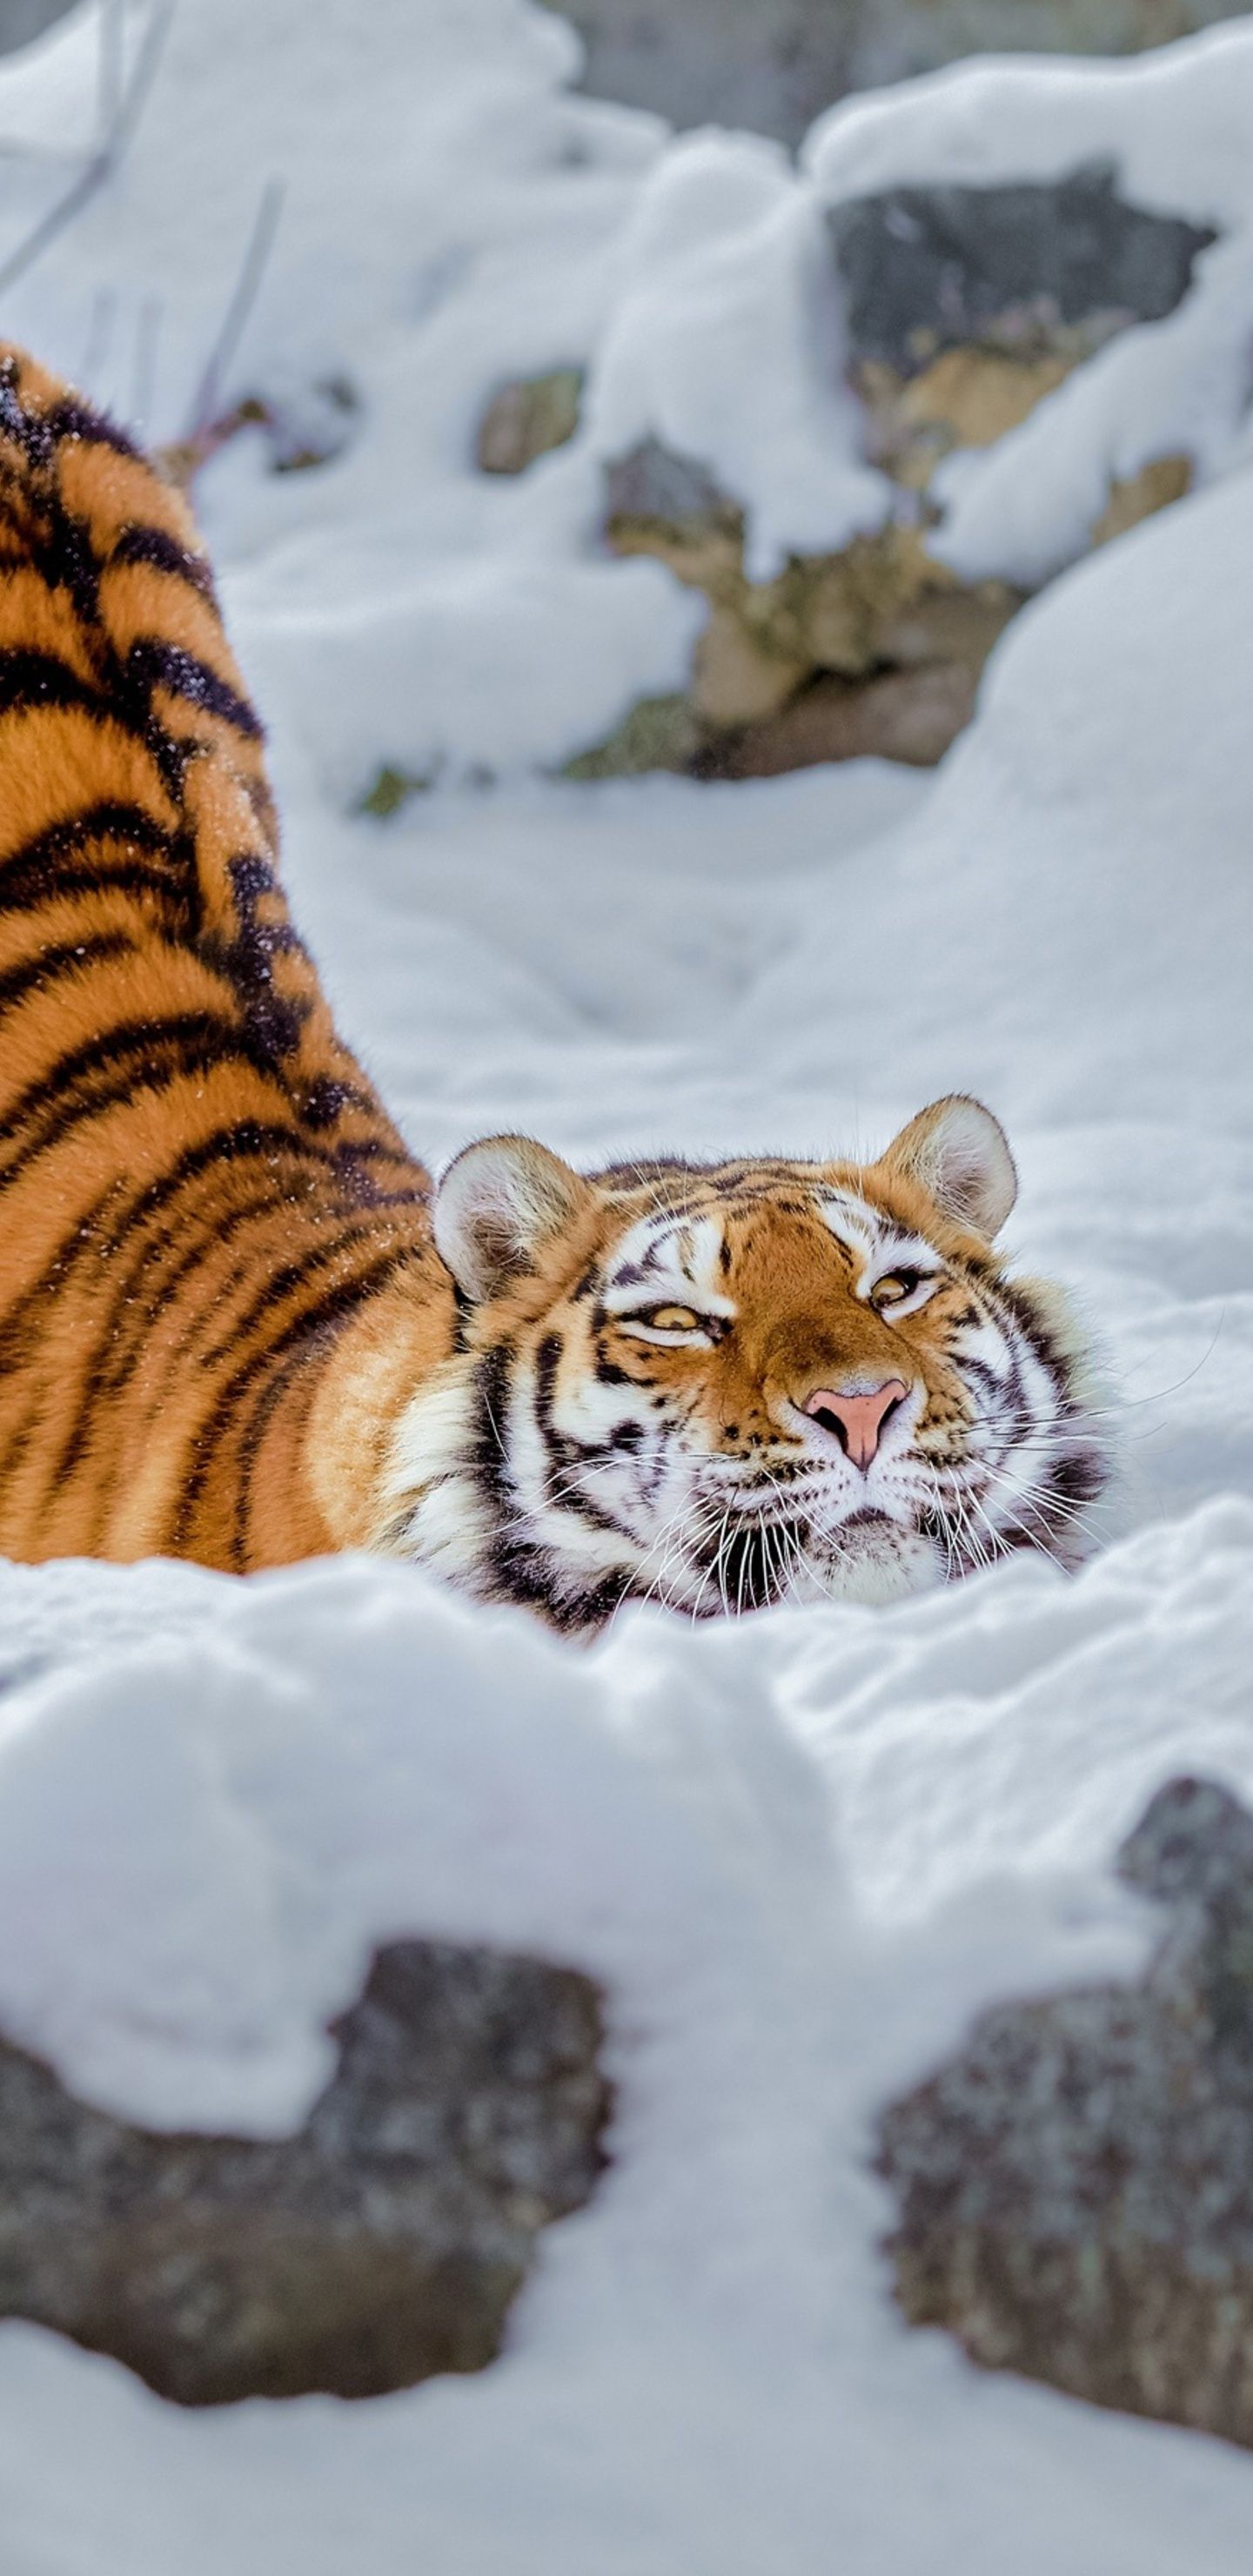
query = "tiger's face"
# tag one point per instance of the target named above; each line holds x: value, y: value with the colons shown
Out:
x: 752, y: 1382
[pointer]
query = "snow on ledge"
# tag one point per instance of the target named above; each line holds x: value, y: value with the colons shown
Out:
x: 725, y: 343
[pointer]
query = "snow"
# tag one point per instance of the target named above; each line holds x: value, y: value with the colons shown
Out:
x: 799, y: 1852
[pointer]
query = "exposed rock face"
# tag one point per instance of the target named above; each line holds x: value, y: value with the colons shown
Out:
x: 944, y: 267
x: 876, y: 649
x: 963, y: 307
x: 1076, y: 2189
x: 910, y: 716
x: 775, y: 65
x: 528, y: 417
x: 769, y: 64
x: 383, y: 2243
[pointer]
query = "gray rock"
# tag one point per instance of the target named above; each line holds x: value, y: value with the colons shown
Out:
x: 774, y: 65
x: 931, y: 268
x: 896, y: 39
x: 527, y: 418
x: 381, y: 2244
x: 1076, y: 2189
x: 653, y: 483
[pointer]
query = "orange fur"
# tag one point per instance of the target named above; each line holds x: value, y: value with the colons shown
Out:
x: 199, y: 1189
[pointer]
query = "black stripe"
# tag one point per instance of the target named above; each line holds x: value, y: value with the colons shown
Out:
x: 331, y: 1309
x: 274, y: 1020
x: 32, y: 435
x: 109, y: 820
x: 63, y: 555
x: 75, y: 1247
x: 155, y: 546
x: 111, y: 1367
x: 250, y: 1449
x: 30, y: 679
x: 981, y: 1373
x: 564, y: 1455
x: 75, y: 420
x: 488, y: 1456
x: 1079, y: 1475
x: 247, y: 1141
x: 146, y: 1056
x: 153, y: 663
x: 130, y: 879
x: 1035, y: 1333
x: 547, y: 1363
x: 242, y: 1144
x: 69, y: 958
x: 280, y: 1284
x: 20, y: 1437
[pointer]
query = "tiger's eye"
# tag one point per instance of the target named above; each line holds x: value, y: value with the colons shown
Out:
x: 892, y: 1291
x: 673, y: 1319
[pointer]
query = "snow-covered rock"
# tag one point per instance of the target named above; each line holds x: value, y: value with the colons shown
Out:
x: 384, y: 2241
x: 916, y: 379
x: 1074, y: 2189
x: 488, y: 227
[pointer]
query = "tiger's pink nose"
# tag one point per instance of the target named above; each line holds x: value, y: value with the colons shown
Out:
x: 857, y: 1420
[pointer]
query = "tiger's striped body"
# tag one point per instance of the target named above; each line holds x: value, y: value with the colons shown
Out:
x: 202, y: 1200
x: 237, y: 1323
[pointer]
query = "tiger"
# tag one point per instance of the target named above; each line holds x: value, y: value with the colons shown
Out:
x: 241, y: 1324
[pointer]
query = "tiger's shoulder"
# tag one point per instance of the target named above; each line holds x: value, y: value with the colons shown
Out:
x: 197, y: 1178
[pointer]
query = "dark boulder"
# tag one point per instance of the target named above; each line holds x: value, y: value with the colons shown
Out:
x: 1018, y: 268
x: 1076, y: 2188
x: 382, y: 2243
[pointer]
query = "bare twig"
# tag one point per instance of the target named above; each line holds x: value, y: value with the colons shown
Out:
x: 110, y: 65
x: 102, y: 162
x: 181, y: 459
x: 252, y: 269
x: 135, y: 95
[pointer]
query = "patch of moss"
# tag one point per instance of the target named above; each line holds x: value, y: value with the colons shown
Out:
x: 391, y: 788
x: 657, y: 733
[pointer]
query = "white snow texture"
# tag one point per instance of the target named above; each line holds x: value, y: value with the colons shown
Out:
x: 799, y: 1852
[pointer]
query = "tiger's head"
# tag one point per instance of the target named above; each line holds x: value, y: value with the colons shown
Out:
x: 740, y: 1383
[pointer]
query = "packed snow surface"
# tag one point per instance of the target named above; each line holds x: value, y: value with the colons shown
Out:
x: 798, y: 1852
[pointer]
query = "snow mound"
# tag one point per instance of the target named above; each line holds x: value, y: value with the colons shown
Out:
x: 724, y: 345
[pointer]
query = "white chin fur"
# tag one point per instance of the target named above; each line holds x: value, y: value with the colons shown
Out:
x: 879, y: 1562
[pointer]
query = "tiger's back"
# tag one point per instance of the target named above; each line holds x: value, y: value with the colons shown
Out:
x: 199, y: 1188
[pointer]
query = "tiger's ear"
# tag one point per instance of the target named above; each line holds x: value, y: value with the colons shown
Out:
x: 956, y: 1150
x: 499, y: 1203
